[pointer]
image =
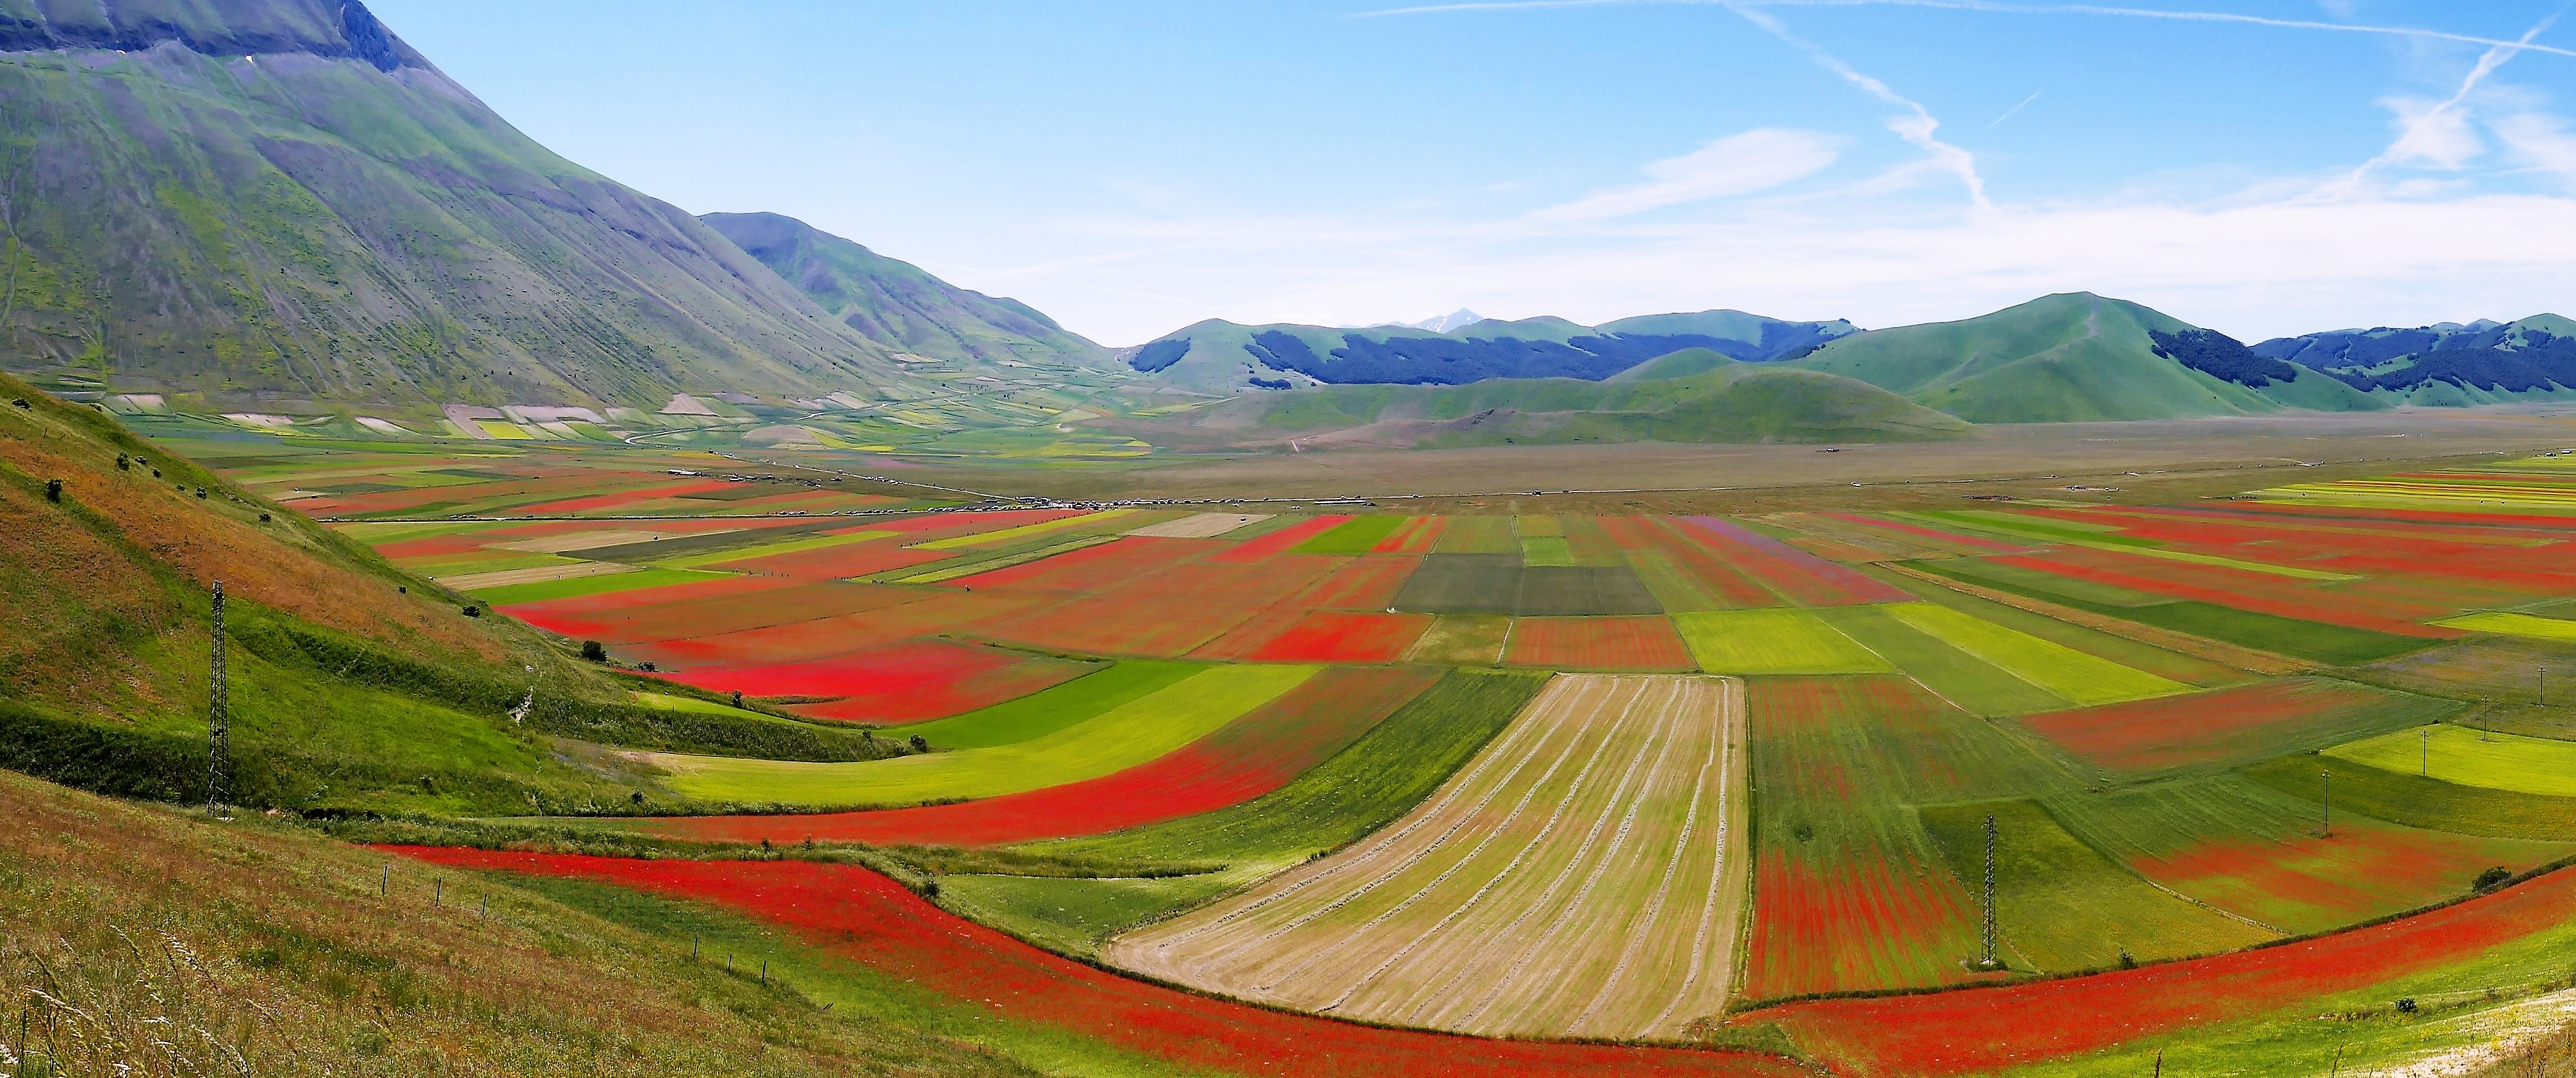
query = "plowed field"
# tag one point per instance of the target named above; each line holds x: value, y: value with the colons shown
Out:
x: 1583, y: 876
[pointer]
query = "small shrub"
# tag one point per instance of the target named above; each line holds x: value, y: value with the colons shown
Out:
x: 2491, y: 879
x: 737, y: 698
x: 473, y: 611
x: 54, y: 490
x: 920, y: 743
x: 124, y: 463
x: 22, y: 403
x: 2127, y: 962
x: 263, y: 518
x: 2406, y: 1006
x: 594, y: 651
x: 201, y: 494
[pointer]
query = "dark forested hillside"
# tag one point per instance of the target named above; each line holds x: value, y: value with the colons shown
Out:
x: 2449, y: 363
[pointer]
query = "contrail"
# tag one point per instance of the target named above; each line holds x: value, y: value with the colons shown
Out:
x: 2008, y: 113
x: 2003, y: 9
x: 1917, y: 128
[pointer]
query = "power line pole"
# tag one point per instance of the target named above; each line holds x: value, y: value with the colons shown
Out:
x: 1989, y: 958
x: 2327, y: 778
x: 218, y: 717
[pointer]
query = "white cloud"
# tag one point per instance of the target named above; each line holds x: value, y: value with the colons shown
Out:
x: 2540, y: 142
x: 2431, y: 134
x: 1757, y: 160
x: 2257, y: 268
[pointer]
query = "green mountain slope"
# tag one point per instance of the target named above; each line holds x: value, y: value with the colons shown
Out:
x: 2065, y: 358
x: 278, y: 201
x: 897, y: 304
x: 1713, y: 400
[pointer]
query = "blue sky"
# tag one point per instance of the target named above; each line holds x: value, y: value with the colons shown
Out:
x: 2258, y: 166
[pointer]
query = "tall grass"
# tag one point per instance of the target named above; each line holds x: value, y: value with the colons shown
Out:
x: 144, y: 943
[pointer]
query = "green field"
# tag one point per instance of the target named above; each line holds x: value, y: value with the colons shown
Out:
x: 2077, y: 677
x: 1357, y: 535
x: 1551, y: 550
x: 1039, y: 714
x: 2061, y: 905
x: 1773, y: 641
x: 2456, y: 754
x: 1124, y: 736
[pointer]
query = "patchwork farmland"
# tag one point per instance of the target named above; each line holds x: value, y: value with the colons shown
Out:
x: 1674, y: 778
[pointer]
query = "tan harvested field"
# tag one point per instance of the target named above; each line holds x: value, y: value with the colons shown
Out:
x: 2132, y: 463
x: 1583, y: 876
x: 1200, y: 525
x: 542, y: 574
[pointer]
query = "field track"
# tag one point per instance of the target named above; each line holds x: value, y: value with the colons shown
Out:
x: 1584, y: 875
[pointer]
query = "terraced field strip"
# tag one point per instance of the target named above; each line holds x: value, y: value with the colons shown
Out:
x: 2080, y: 678
x: 1124, y: 736
x: 1584, y: 875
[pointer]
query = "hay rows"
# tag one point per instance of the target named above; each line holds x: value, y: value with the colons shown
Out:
x: 1480, y: 913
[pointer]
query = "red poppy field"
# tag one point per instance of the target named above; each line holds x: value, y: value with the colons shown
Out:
x: 862, y: 916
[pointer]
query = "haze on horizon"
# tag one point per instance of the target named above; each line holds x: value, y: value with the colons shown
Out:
x: 2262, y: 168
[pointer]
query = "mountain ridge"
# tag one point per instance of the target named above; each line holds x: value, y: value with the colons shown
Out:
x: 898, y: 304
x: 1216, y: 354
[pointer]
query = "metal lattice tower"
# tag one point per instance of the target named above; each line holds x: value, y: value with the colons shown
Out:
x: 218, y: 717
x: 1990, y: 893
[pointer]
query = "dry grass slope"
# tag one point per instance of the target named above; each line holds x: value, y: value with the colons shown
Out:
x: 144, y: 943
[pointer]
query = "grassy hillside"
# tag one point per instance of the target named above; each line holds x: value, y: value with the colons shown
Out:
x: 2065, y: 358
x: 353, y: 685
x: 1712, y: 400
x: 278, y: 201
x: 896, y: 304
x: 146, y: 942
